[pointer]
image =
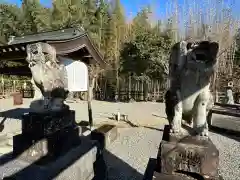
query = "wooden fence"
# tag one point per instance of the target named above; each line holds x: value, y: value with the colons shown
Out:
x: 130, y: 89
x: 7, y: 86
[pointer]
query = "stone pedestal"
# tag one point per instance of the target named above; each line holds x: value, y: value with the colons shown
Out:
x: 47, y: 123
x: 48, y: 135
x: 187, y: 156
x: 50, y: 148
x: 83, y: 162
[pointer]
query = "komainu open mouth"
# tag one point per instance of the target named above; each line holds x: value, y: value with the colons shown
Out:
x: 203, y: 52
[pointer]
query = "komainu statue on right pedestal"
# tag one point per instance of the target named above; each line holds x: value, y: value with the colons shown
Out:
x: 191, y: 67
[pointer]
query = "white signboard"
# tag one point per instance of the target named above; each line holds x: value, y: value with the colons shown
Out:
x: 77, y: 74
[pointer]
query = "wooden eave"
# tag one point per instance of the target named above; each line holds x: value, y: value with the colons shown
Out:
x: 77, y: 46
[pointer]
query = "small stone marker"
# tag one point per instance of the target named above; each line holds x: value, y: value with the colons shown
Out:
x: 105, y: 135
x: 120, y: 116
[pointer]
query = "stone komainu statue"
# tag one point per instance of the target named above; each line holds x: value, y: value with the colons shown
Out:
x: 191, y: 67
x: 48, y: 76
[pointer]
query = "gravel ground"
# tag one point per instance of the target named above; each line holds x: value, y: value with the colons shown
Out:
x: 128, y: 156
x: 143, y: 114
x: 229, y: 149
x: 130, y: 153
x: 135, y: 146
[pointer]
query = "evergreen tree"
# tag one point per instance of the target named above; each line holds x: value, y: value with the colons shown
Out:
x: 115, y: 33
x: 141, y: 22
x: 102, y: 19
x: 115, y: 38
x: 136, y: 45
x: 77, y: 12
x: 36, y: 18
x: 89, y: 17
x: 10, y: 21
x: 61, y: 17
x: 146, y: 56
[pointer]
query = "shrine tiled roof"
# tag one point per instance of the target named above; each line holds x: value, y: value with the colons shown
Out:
x: 67, y: 42
x: 59, y: 35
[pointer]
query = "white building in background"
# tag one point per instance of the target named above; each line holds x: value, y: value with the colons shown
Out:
x: 77, y: 73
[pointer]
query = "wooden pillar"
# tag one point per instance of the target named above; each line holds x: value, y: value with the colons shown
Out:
x: 91, y: 83
x: 129, y: 87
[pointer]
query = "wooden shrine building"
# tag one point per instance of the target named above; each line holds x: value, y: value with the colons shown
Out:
x: 72, y: 43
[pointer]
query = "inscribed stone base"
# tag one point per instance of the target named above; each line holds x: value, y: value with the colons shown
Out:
x: 46, y: 123
x: 50, y: 147
x: 162, y: 176
x: 80, y: 163
x: 189, y: 154
x: 105, y: 135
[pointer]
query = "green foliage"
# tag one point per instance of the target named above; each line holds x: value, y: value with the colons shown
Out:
x: 115, y: 34
x: 146, y: 56
x: 141, y: 22
x: 35, y: 17
x: 60, y: 14
x: 138, y: 47
x: 10, y: 20
x: 101, y: 24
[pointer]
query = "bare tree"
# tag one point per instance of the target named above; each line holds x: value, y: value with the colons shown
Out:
x: 211, y: 20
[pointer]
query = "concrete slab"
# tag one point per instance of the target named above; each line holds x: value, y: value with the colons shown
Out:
x: 77, y: 164
x: 225, y: 122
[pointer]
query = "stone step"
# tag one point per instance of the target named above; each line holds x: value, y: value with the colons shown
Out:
x: 105, y: 135
x: 177, y: 176
x: 5, y: 150
x: 3, y: 138
x: 227, y: 122
x: 6, y: 140
x: 78, y: 163
x: 160, y: 176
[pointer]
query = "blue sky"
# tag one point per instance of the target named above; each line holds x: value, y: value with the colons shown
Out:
x: 158, y: 6
x: 130, y: 6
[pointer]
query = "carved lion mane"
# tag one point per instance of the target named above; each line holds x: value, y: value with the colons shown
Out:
x: 191, y: 67
x: 48, y: 75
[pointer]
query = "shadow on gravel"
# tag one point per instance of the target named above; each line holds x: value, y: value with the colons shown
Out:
x: 107, y: 165
x: 118, y: 169
x: 125, y: 121
x: 148, y: 175
x: 153, y: 128
x: 46, y: 168
x: 14, y: 113
x: 227, y: 133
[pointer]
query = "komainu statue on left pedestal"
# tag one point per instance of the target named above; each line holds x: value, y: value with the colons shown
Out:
x: 49, y: 77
